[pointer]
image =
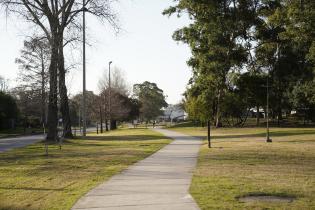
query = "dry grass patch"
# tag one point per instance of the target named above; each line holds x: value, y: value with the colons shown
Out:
x: 29, y: 180
x: 241, y: 163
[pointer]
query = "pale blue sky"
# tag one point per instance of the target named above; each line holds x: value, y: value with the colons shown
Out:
x: 144, y: 49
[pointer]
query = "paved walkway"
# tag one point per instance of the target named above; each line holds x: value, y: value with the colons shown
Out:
x: 16, y: 142
x: 159, y: 182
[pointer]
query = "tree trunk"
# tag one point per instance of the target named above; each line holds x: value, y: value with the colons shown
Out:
x: 101, y: 118
x: 113, y: 125
x: 279, y: 111
x: 43, y: 96
x: 106, y: 124
x: 64, y: 102
x: 52, y: 105
x: 218, y: 114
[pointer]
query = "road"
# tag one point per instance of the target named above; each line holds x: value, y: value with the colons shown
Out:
x: 7, y: 144
x: 16, y: 142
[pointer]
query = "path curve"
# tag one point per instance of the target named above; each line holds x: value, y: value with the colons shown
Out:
x: 159, y: 182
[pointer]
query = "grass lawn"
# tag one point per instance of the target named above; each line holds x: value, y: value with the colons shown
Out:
x: 29, y: 180
x: 241, y: 163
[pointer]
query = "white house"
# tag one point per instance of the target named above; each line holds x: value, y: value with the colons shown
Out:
x: 173, y: 113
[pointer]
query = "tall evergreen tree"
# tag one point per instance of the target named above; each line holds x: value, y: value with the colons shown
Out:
x: 219, y: 40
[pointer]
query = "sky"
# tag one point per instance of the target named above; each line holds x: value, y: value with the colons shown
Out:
x: 144, y: 49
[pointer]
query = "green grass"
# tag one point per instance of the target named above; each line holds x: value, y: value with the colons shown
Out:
x: 241, y: 163
x: 29, y: 180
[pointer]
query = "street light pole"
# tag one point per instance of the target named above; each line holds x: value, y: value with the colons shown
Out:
x: 109, y: 95
x: 84, y: 75
x: 268, y: 139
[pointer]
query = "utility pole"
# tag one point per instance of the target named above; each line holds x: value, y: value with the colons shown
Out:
x: 101, y: 114
x: 84, y: 74
x: 208, y: 136
x: 268, y: 139
x: 80, y: 121
x: 109, y: 95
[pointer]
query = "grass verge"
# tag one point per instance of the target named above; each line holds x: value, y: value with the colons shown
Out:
x: 29, y: 180
x: 241, y: 163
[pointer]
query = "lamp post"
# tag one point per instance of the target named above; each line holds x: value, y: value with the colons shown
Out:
x: 268, y: 139
x: 109, y: 95
x: 84, y: 75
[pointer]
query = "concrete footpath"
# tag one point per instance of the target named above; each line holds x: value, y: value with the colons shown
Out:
x: 159, y: 182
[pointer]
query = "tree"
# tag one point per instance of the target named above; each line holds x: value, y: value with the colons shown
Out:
x: 285, y: 36
x: 55, y: 18
x: 118, y: 92
x: 29, y: 104
x: 8, y: 110
x: 302, y: 99
x: 92, y: 108
x: 252, y: 88
x: 33, y: 76
x: 218, y: 38
x: 134, y: 105
x: 151, y: 98
x: 248, y: 38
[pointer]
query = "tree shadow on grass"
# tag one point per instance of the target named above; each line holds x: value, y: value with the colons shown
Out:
x: 123, y: 138
x: 298, y: 141
x: 31, y: 189
x: 263, y: 134
x: 4, y: 207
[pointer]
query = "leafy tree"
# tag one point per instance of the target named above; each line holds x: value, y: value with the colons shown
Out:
x: 29, y: 104
x: 218, y: 41
x: 299, y: 17
x: 302, y: 99
x: 249, y: 38
x: 285, y: 36
x: 134, y: 105
x: 151, y: 98
x: 252, y: 88
x: 8, y: 109
x: 92, y: 108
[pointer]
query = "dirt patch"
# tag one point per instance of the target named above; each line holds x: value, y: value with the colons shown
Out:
x: 266, y: 198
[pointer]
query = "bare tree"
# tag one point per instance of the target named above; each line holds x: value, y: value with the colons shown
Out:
x: 34, y: 63
x: 55, y: 18
x: 120, y: 107
x: 91, y: 105
x: 118, y: 81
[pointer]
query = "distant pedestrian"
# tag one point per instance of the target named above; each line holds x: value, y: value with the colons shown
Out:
x: 154, y: 124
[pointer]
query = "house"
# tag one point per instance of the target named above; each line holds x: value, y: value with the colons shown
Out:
x: 173, y: 113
